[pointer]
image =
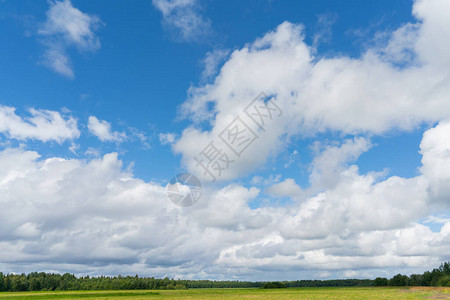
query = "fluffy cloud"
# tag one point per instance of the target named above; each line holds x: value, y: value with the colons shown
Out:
x: 92, y: 216
x: 333, y: 159
x: 67, y: 26
x: 43, y: 125
x: 345, y: 221
x: 436, y: 160
x: 358, y: 222
x: 183, y: 17
x: 102, y: 130
x: 286, y: 188
x: 393, y: 86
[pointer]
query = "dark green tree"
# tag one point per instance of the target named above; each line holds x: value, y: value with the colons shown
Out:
x: 379, y: 281
x: 274, y: 285
x: 416, y: 280
x: 444, y: 281
x: 399, y: 280
x: 2, y: 282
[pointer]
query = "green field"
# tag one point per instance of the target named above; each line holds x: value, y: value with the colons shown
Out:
x: 290, y: 293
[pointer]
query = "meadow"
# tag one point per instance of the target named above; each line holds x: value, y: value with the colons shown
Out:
x: 253, y: 293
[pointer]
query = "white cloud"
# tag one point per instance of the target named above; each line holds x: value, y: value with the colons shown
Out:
x: 432, y: 44
x: 55, y: 57
x: 138, y: 135
x: 334, y: 159
x: 382, y: 90
x: 435, y: 147
x: 27, y: 230
x: 92, y: 152
x: 293, y: 157
x: 323, y: 31
x: 67, y: 26
x: 212, y: 61
x: 184, y: 18
x: 166, y: 138
x: 102, y: 130
x: 286, y: 188
x: 43, y: 125
x: 92, y: 216
x: 74, y: 148
x: 271, y: 179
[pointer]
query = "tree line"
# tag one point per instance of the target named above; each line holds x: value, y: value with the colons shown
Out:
x: 438, y: 277
x: 56, y: 282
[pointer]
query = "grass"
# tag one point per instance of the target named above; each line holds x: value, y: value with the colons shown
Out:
x: 290, y: 293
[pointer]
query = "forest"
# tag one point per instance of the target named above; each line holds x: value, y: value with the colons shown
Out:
x: 56, y: 282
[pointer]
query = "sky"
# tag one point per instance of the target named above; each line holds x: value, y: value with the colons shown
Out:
x: 319, y: 130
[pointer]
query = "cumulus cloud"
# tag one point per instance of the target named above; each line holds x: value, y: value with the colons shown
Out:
x: 94, y: 216
x: 184, y: 18
x: 436, y: 160
x: 43, y: 125
x: 395, y: 86
x: 286, y: 188
x: 334, y: 158
x: 359, y: 222
x: 102, y: 130
x: 65, y: 27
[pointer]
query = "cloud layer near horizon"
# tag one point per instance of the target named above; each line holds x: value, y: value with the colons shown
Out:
x: 94, y: 217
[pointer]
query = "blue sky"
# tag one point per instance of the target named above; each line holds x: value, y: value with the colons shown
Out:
x: 142, y: 71
x: 100, y: 105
